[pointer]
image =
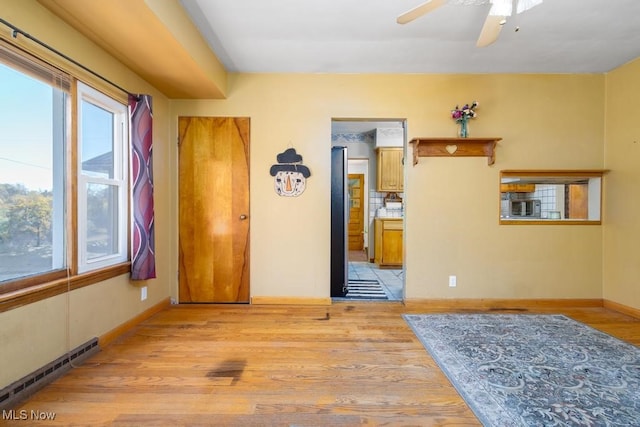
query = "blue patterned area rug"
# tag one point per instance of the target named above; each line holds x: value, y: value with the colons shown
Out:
x: 535, y: 370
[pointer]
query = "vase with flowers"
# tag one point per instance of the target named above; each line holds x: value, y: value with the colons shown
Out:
x: 462, y: 116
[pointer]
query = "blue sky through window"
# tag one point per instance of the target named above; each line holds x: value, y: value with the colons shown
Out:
x: 26, y: 114
x: 26, y: 131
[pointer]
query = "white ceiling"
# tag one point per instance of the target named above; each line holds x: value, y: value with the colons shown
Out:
x: 362, y: 36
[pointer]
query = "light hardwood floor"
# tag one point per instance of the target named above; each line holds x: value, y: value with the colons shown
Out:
x: 226, y: 365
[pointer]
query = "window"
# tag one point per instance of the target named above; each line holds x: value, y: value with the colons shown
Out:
x: 33, y: 117
x: 41, y: 238
x: 102, y: 180
x: 551, y: 197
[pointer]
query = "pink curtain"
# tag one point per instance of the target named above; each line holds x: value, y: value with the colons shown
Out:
x: 143, y: 263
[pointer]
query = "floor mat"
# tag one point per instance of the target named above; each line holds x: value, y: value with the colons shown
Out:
x: 365, y: 289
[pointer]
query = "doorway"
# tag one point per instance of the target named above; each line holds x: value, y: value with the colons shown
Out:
x: 365, y: 279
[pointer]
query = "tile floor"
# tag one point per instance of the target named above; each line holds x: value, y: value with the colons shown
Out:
x: 392, y: 280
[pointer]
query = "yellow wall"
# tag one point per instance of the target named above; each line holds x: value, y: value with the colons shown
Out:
x: 546, y: 121
x: 622, y: 204
x: 452, y: 204
x: 36, y: 334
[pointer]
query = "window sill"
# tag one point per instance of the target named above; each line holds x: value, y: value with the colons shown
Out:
x: 539, y: 221
x: 21, y: 297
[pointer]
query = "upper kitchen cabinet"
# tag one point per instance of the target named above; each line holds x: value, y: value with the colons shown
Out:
x: 517, y: 188
x: 390, y: 171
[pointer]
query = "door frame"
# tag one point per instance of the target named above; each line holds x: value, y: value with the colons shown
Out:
x: 403, y: 122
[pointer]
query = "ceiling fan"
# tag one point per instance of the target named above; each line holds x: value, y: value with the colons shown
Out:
x: 497, y: 17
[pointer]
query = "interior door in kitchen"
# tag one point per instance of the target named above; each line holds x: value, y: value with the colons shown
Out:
x: 356, y: 211
x: 213, y: 193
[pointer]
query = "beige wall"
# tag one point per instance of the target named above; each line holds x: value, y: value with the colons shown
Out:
x: 36, y: 334
x: 622, y: 204
x: 553, y: 121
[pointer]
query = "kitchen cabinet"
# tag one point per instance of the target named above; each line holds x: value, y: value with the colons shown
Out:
x: 390, y: 170
x: 388, y: 242
x: 517, y: 188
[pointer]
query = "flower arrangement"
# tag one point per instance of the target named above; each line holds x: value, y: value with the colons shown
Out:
x: 461, y: 115
x: 464, y: 113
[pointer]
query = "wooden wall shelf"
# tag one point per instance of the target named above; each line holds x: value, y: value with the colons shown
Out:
x: 451, y: 147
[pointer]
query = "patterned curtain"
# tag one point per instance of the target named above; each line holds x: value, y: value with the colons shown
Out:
x: 143, y: 262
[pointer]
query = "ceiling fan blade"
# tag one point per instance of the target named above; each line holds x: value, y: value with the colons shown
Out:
x: 420, y: 10
x: 524, y: 5
x: 490, y: 30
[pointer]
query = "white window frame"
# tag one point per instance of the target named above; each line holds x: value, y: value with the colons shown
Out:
x: 120, y: 179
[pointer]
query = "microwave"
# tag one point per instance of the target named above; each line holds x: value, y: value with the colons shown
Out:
x: 528, y: 208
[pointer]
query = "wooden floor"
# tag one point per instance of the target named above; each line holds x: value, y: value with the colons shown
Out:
x: 347, y: 364
x: 360, y: 255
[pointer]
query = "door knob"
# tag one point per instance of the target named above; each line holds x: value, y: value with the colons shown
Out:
x: 243, y: 217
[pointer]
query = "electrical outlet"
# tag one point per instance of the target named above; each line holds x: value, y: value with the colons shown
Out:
x: 143, y: 293
x: 453, y: 281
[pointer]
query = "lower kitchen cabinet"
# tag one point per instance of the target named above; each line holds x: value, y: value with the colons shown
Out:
x: 388, y: 242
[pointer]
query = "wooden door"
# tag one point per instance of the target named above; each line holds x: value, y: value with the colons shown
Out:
x: 356, y: 211
x: 213, y: 209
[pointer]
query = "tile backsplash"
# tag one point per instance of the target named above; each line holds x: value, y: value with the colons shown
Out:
x: 376, y: 201
x: 547, y: 196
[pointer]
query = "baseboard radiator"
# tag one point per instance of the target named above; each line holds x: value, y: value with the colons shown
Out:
x: 36, y: 380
